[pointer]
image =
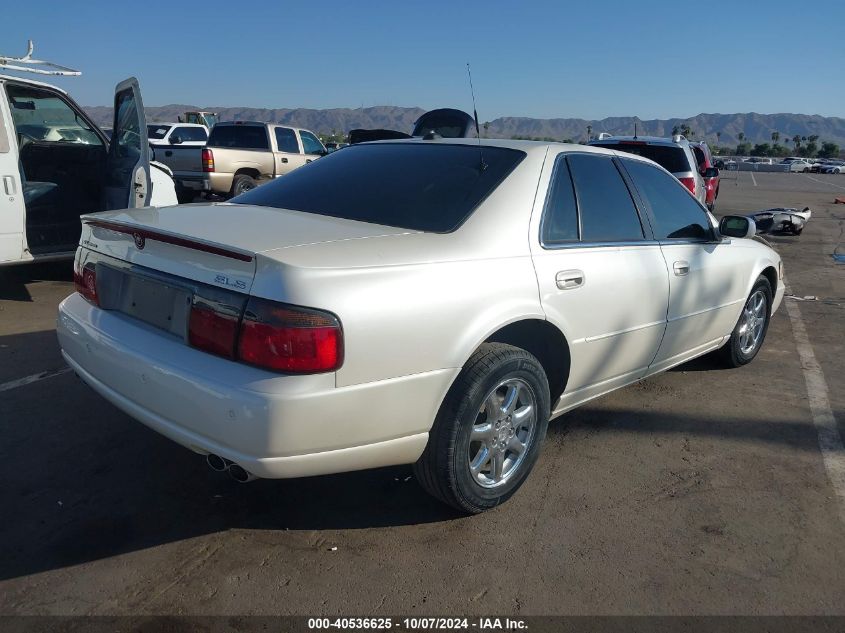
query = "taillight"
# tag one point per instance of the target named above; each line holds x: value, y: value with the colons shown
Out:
x: 85, y: 283
x: 212, y: 327
x: 207, y: 160
x: 689, y: 183
x: 289, y: 339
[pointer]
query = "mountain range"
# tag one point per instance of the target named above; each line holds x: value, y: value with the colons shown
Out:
x: 757, y: 128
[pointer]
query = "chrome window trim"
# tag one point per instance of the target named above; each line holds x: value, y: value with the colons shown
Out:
x: 566, y: 245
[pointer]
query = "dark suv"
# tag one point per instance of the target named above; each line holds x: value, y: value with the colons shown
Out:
x: 705, y: 161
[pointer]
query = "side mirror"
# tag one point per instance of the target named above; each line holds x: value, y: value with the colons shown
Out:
x: 711, y: 172
x: 737, y: 226
x: 175, y: 140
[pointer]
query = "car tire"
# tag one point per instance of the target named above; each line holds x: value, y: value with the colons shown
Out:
x: 712, y: 207
x: 806, y: 171
x: 498, y: 402
x: 743, y: 344
x: 185, y: 197
x: 242, y: 183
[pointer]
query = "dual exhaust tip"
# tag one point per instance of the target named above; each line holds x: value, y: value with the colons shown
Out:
x: 236, y: 472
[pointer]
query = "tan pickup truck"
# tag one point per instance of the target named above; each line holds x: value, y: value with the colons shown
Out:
x: 239, y: 156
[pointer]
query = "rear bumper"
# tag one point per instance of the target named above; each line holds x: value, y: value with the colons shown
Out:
x: 219, y: 182
x: 274, y: 426
x: 778, y: 298
x: 193, y: 183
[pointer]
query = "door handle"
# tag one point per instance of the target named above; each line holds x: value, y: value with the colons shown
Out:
x: 681, y: 268
x: 9, y: 185
x: 567, y: 279
x: 284, y: 160
x: 168, y: 153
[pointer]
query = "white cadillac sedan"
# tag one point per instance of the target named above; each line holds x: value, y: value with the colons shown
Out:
x: 433, y: 302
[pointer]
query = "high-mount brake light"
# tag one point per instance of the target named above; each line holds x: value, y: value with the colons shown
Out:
x: 689, y: 183
x: 207, y: 160
x: 289, y: 339
x: 85, y: 282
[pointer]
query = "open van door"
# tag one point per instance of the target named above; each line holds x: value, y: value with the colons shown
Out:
x: 127, y: 183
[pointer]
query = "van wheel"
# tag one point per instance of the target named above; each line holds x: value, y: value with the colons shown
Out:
x: 487, y: 435
x: 241, y: 184
x: 750, y: 331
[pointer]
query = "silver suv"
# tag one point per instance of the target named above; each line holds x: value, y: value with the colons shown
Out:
x: 673, y: 154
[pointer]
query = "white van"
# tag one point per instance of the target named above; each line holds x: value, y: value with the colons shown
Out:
x: 56, y: 164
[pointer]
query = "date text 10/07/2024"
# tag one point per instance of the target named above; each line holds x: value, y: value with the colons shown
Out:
x: 482, y: 624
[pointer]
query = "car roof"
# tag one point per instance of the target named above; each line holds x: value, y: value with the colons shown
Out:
x: 650, y: 140
x: 529, y: 147
x: 33, y: 82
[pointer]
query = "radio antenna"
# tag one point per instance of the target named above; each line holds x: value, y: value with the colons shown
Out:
x: 482, y: 165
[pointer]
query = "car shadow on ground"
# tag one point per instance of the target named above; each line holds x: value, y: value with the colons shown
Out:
x: 83, y: 482
x: 14, y: 279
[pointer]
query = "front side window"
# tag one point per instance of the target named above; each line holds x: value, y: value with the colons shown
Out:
x: 156, y: 132
x: 605, y: 205
x: 286, y: 140
x: 677, y: 214
x: 41, y: 115
x: 310, y: 143
x: 126, y: 141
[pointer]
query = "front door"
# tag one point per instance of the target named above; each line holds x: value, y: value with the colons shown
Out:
x: 11, y: 190
x: 705, y: 290
x: 127, y: 182
x: 602, y: 280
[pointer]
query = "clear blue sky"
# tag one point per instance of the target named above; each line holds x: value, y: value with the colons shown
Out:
x: 587, y: 59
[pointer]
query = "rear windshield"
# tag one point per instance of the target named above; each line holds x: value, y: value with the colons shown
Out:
x: 671, y: 158
x: 157, y: 131
x: 408, y: 185
x: 239, y: 136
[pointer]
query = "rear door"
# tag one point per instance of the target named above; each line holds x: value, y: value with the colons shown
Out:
x: 706, y: 276
x: 127, y: 182
x: 288, y: 154
x: 602, y: 279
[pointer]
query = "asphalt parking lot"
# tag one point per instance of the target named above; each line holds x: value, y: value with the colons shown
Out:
x: 700, y: 491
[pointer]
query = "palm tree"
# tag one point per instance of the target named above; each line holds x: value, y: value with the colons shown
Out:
x: 797, y: 140
x: 589, y: 132
x: 775, y: 137
x: 741, y: 136
x: 718, y: 137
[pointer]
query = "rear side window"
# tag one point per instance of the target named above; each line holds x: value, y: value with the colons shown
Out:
x: 671, y: 157
x: 699, y: 157
x: 605, y: 205
x: 408, y: 185
x: 560, y: 217
x: 239, y: 136
x: 190, y: 133
x: 286, y: 140
x: 677, y: 214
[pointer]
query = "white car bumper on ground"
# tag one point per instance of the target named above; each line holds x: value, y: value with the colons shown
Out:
x: 272, y: 425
